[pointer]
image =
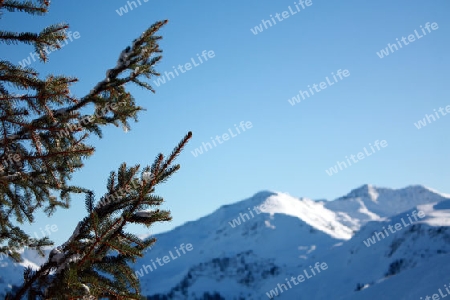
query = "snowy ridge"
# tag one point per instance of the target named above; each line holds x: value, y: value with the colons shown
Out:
x: 311, y: 212
x: 368, y: 203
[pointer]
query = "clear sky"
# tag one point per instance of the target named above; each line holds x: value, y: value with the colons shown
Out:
x: 250, y: 77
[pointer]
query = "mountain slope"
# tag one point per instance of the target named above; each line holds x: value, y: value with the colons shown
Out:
x: 417, y: 246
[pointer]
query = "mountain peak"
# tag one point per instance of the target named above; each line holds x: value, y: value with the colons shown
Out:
x: 263, y: 194
x: 372, y: 192
x: 364, y: 191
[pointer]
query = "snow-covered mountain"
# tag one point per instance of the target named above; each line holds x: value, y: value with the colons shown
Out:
x: 11, y: 273
x: 373, y: 243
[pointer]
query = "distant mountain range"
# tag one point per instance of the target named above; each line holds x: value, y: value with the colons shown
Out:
x: 373, y: 243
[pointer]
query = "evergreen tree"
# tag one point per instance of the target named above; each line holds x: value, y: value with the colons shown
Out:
x: 43, y: 142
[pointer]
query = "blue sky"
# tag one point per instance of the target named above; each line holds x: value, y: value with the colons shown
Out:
x: 250, y: 79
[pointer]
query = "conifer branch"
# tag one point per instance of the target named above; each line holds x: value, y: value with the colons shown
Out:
x: 42, y: 128
x: 91, y: 254
x: 27, y: 6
